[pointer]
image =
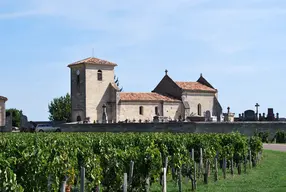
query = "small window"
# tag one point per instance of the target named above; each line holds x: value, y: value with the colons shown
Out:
x: 99, y: 75
x: 156, y: 111
x: 77, y: 80
x: 199, y: 109
x: 141, y: 110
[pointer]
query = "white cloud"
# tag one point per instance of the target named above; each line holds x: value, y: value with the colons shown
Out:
x: 224, y: 26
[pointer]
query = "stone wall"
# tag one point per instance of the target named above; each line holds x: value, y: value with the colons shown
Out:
x: 247, y: 128
x: 130, y: 110
x: 205, y: 99
x: 97, y: 92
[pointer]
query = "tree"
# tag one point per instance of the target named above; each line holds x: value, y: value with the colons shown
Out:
x: 60, y: 109
x: 117, y: 83
x: 16, y: 116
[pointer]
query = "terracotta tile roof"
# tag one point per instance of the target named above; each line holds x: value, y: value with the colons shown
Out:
x: 3, y: 98
x: 93, y: 60
x: 144, y: 97
x: 194, y: 86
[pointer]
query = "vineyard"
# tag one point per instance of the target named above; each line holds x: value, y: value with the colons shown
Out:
x: 41, y: 161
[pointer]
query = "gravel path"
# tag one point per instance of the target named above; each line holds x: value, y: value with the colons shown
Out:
x: 275, y: 147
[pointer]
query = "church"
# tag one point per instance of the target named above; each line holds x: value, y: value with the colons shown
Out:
x: 95, y: 96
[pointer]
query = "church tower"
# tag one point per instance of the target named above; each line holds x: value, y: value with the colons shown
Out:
x: 90, y: 81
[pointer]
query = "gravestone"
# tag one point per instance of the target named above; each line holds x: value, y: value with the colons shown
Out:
x: 104, y: 114
x: 208, y: 116
x: 156, y: 119
x: 270, y: 115
x: 249, y: 115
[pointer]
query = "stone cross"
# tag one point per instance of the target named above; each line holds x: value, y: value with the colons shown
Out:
x: 104, y: 114
x: 166, y: 72
x: 257, y: 105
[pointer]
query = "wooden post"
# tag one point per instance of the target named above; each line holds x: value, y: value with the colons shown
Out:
x: 245, y: 163
x: 195, y: 176
x: 49, y: 183
x: 231, y: 166
x: 147, y: 185
x: 201, y: 163
x: 193, y: 173
x: 180, y: 180
x: 82, y: 179
x: 125, y: 183
x: 224, y: 168
x: 166, y: 163
x: 250, y: 160
x: 239, y: 168
x: 216, y: 171
x: 131, y: 173
x: 164, y: 189
x: 206, y: 174
x: 63, y: 186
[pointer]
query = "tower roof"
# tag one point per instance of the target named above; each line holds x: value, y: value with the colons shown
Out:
x: 94, y: 61
x: 3, y: 98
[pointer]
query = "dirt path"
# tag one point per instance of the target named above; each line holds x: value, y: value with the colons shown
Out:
x: 275, y: 147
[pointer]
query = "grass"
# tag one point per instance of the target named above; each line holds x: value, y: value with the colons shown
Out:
x: 269, y: 175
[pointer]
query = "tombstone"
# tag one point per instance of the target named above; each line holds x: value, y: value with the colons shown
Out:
x: 134, y: 121
x: 156, y: 119
x: 277, y: 116
x: 140, y: 121
x: 270, y: 115
x: 126, y: 120
x: 242, y: 116
x: 260, y: 117
x: 239, y: 116
x: 208, y: 116
x: 249, y: 115
x: 104, y: 114
x: 263, y: 116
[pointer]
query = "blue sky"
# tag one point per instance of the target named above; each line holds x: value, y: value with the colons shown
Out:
x: 238, y: 45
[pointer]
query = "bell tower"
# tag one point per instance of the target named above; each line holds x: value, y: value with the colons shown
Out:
x: 90, y: 80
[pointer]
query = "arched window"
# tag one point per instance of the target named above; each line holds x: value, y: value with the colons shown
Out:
x: 141, y: 110
x: 99, y: 75
x: 199, y: 109
x: 156, y: 111
x: 77, y: 77
x: 77, y: 80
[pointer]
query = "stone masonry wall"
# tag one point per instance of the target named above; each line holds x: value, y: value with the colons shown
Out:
x: 247, y: 128
x: 130, y: 110
x: 205, y: 99
x: 97, y: 92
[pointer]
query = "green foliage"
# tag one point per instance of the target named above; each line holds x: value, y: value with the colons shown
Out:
x: 264, y: 135
x: 60, y: 109
x: 29, y: 159
x: 280, y: 136
x: 16, y: 116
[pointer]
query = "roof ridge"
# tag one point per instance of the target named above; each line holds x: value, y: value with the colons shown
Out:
x: 93, y: 60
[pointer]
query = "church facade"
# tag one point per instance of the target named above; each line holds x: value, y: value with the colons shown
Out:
x: 95, y: 95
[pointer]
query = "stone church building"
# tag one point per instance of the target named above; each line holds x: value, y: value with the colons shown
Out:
x: 95, y: 95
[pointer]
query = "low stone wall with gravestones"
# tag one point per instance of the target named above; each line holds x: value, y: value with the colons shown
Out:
x: 247, y: 128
